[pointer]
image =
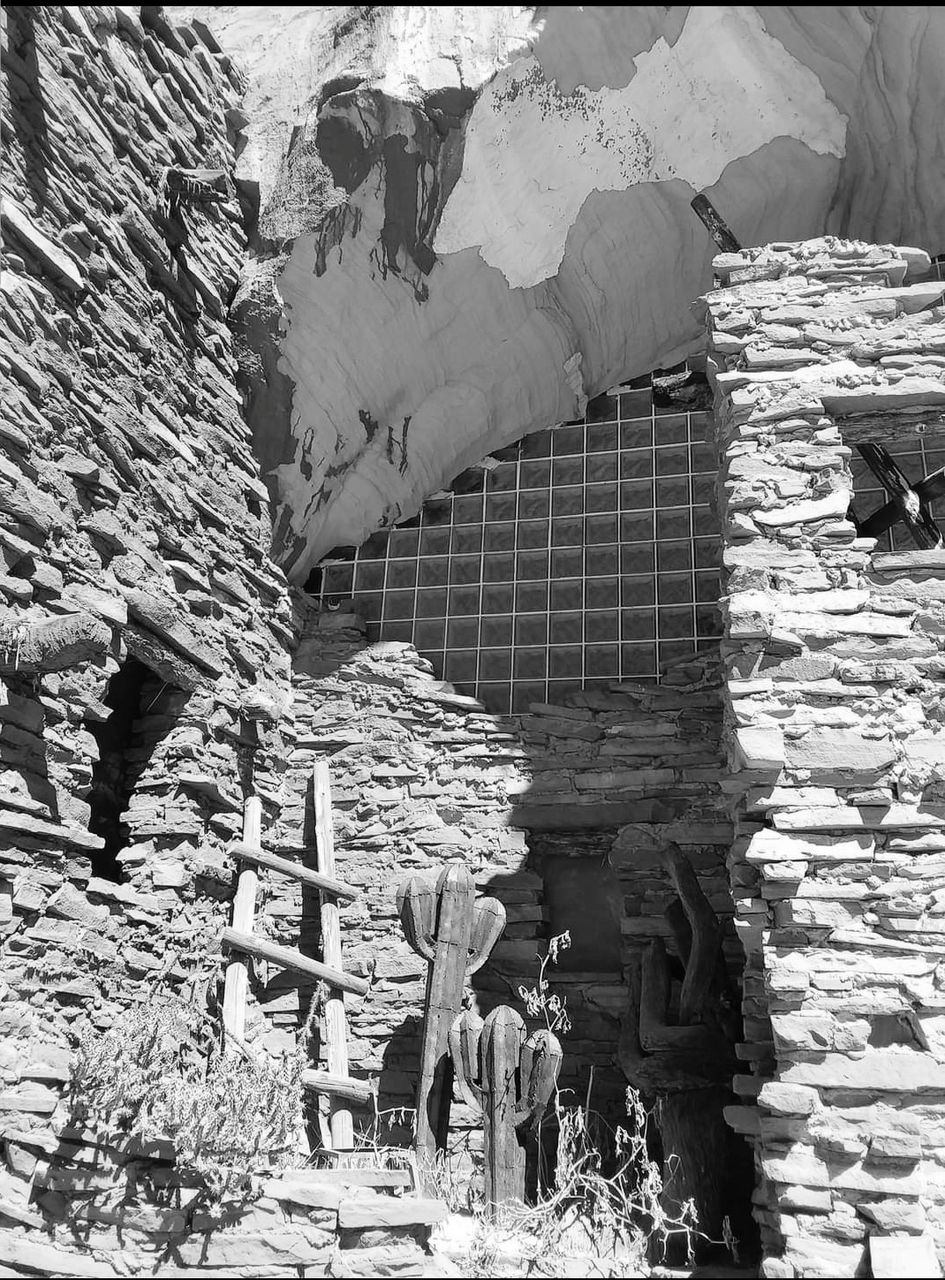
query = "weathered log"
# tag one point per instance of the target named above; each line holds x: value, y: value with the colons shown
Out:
x: 927, y: 490
x: 289, y: 959
x: 54, y: 644
x: 715, y: 224
x: 911, y: 509
x: 359, y: 1091
x: 325, y: 884
x: 455, y: 934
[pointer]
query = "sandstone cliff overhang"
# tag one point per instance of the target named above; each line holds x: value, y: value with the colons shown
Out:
x: 473, y: 219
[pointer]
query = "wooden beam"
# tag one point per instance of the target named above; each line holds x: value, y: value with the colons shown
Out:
x: 236, y: 983
x: 926, y: 491
x: 706, y: 935
x: 655, y: 1035
x: 913, y: 514
x: 324, y: 883
x: 715, y: 224
x: 288, y: 959
x: 359, y: 1091
x: 336, y: 1025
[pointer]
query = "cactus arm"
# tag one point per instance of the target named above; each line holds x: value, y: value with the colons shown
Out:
x: 488, y: 923
x: 540, y: 1064
x: 464, y: 1051
x: 499, y: 1048
x: 416, y: 906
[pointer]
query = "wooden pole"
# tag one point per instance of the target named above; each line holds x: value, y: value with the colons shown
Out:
x: 343, y: 1086
x: 336, y: 1025
x: 236, y: 984
x: 326, y: 884
x: 286, y: 958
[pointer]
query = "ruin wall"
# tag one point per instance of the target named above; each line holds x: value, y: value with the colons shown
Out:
x: 833, y: 687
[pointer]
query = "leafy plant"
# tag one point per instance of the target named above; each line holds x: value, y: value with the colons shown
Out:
x: 160, y: 1073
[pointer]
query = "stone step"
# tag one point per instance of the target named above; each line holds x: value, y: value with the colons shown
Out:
x: 367, y: 1212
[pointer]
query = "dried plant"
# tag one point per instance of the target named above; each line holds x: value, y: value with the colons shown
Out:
x: 617, y: 1217
x: 160, y: 1073
x: 539, y: 1000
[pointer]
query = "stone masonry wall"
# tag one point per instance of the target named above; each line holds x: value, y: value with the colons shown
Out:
x: 834, y: 707
x: 421, y: 774
x: 144, y: 632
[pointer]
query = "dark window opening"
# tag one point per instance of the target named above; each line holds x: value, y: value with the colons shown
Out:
x: 141, y: 704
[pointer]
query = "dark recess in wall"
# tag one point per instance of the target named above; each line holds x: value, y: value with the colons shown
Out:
x: 139, y: 702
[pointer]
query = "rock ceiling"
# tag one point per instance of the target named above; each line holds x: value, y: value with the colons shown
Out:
x: 473, y: 219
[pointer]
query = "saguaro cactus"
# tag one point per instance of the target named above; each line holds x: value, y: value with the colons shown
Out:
x: 455, y: 934
x: 511, y: 1079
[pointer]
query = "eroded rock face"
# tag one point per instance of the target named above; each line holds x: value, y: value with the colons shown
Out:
x: 477, y: 218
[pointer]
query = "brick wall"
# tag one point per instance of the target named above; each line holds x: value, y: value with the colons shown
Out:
x: 833, y: 663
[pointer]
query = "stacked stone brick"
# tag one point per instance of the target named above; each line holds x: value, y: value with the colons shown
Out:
x: 134, y: 526
x: 421, y: 774
x: 834, y: 660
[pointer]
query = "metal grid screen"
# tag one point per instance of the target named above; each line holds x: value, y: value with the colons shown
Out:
x: 585, y: 554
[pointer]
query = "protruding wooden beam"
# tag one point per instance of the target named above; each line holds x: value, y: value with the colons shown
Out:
x: 289, y: 959
x: 359, y: 1091
x: 926, y: 491
x: 913, y: 513
x: 324, y: 883
x: 715, y: 224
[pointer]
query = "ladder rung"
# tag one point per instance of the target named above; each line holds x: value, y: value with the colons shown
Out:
x: 288, y: 959
x: 327, y: 884
x: 340, y: 1086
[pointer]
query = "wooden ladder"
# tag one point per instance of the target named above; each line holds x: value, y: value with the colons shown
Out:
x: 239, y: 937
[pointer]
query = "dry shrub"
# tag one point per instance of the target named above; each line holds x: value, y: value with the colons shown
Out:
x: 618, y: 1219
x: 159, y: 1073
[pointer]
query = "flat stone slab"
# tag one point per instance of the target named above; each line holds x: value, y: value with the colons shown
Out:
x: 390, y: 1211
x: 904, y: 1071
x: 903, y: 1258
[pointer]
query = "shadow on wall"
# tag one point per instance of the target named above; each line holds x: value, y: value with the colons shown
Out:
x: 570, y: 883
x: 563, y: 815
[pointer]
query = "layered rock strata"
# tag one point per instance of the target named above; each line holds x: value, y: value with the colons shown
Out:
x: 834, y: 661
